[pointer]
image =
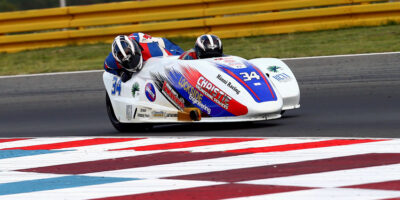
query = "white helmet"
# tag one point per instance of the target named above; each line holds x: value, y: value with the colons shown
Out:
x: 208, y: 46
x: 127, y: 53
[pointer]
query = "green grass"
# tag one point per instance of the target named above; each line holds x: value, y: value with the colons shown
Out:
x: 333, y: 42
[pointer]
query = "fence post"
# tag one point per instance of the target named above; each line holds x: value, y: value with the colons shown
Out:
x: 62, y: 3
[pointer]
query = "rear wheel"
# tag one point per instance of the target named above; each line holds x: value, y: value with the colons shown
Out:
x: 123, y: 127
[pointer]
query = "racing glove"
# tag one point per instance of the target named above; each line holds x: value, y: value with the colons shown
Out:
x: 125, y: 76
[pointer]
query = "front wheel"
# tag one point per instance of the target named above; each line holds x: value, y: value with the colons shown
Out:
x: 122, y: 127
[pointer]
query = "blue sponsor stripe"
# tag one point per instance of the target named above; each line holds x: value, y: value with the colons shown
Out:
x: 259, y: 88
x: 56, y: 183
x: 20, y: 153
x: 207, y: 105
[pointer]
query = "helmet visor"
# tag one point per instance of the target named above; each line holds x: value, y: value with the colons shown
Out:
x: 118, y: 51
x: 133, y: 60
x: 211, y: 54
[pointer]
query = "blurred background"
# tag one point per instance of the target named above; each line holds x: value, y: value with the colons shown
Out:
x: 72, y: 35
x: 346, y: 96
x: 15, y: 5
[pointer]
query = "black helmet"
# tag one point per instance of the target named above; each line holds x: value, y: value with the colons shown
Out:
x: 208, y: 46
x: 128, y: 53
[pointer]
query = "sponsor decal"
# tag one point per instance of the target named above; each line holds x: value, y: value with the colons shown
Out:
x: 253, y: 80
x: 171, y: 115
x: 219, y: 77
x: 164, y: 114
x: 135, y: 89
x: 158, y: 114
x: 143, y: 112
x: 231, y: 61
x: 147, y: 37
x: 180, y: 88
x: 173, y: 95
x: 168, y: 89
x: 194, y: 95
x: 274, y: 69
x: 128, y: 112
x: 116, y: 86
x: 283, y: 77
x: 150, y: 92
x: 212, y: 92
x: 143, y: 115
x: 249, y: 76
x: 229, y: 84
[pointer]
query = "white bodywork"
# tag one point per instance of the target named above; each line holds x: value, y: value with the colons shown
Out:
x: 133, y: 104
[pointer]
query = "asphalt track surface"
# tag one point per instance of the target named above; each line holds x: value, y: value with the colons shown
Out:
x: 341, y: 96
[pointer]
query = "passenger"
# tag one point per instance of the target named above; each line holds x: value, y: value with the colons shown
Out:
x: 206, y: 46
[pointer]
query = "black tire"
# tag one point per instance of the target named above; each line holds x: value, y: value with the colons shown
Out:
x: 123, y: 127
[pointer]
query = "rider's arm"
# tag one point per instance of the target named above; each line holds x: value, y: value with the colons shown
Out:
x: 111, y: 65
x: 172, y: 47
x: 189, y: 55
x: 156, y: 46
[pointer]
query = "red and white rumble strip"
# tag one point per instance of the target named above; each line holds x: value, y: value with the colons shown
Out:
x: 199, y: 168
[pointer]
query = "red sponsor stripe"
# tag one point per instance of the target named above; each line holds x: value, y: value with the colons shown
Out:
x: 298, y: 168
x: 387, y: 185
x: 236, y: 108
x: 241, y: 81
x: 211, y: 192
x: 266, y: 82
x: 193, y: 55
x: 77, y: 143
x: 308, y: 145
x: 146, y: 54
x: 127, y: 162
x: 182, y: 55
x: 172, y: 96
x: 169, y: 53
x: 119, y: 66
x: 194, y: 143
x: 13, y: 139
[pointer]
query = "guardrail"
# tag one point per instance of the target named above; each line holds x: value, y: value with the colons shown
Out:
x: 43, y: 28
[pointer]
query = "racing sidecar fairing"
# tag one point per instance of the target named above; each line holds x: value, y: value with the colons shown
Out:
x: 224, y: 89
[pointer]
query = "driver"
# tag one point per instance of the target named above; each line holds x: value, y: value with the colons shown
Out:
x: 206, y: 46
x: 129, y: 52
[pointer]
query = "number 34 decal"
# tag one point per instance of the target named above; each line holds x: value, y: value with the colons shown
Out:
x: 116, y: 86
x: 248, y: 77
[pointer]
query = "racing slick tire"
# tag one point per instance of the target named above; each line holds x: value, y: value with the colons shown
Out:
x: 123, y: 127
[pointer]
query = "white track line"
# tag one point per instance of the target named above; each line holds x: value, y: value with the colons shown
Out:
x: 111, y: 189
x: 50, y: 74
x: 327, y: 194
x: 339, y: 178
x: 95, y: 71
x: 250, y: 160
x: 339, y: 56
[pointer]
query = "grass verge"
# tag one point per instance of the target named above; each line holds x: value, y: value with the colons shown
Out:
x: 332, y: 42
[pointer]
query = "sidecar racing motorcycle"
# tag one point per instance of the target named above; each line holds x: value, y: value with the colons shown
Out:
x: 223, y: 89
